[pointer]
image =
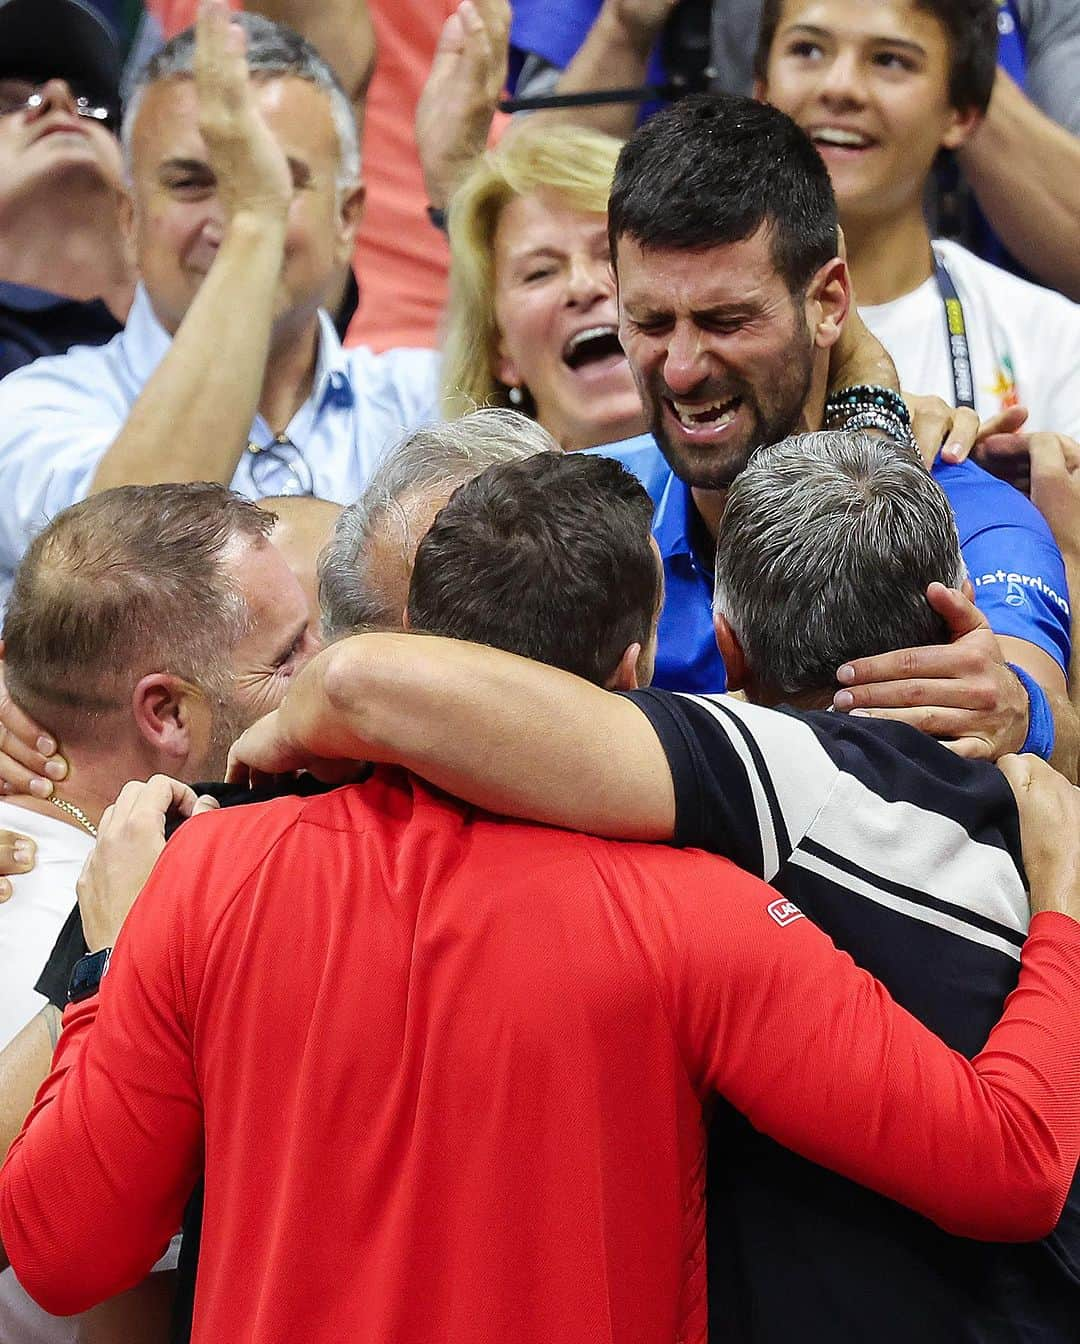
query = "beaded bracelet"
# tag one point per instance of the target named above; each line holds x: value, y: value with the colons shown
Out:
x: 871, y: 417
x: 870, y: 407
x: 868, y: 396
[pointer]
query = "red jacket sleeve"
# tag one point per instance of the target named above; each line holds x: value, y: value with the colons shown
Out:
x: 817, y: 1055
x: 94, y: 1187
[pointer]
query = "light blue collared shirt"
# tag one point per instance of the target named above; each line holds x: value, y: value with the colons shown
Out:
x: 58, y: 416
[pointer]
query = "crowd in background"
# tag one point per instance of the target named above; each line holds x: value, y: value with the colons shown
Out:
x: 599, y: 481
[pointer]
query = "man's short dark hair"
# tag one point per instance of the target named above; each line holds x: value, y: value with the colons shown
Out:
x: 711, y: 170
x: 549, y: 558
x: 972, y: 32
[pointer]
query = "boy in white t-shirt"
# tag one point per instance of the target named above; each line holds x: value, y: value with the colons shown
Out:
x: 881, y: 86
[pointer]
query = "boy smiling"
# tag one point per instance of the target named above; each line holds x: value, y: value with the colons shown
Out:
x: 882, y: 86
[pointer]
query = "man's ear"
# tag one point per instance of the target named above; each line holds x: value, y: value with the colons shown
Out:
x: 968, y: 589
x: 727, y: 641
x: 962, y: 123
x: 351, y: 213
x: 172, y: 717
x: 828, y: 299
x: 625, y: 676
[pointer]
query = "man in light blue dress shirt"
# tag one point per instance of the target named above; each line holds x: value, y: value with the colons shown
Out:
x: 244, y: 168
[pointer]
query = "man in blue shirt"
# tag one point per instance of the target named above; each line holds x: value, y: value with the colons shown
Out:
x: 723, y: 230
x: 245, y: 201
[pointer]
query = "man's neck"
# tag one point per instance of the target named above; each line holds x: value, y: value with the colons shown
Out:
x: 93, y: 781
x: 820, y: 699
x: 77, y: 252
x: 888, y: 257
x: 710, y: 507
x: 290, y: 372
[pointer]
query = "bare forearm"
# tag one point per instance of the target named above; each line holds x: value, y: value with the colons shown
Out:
x: 191, y: 421
x: 142, y: 1315
x: 341, y: 30
x: 24, y: 1066
x: 611, y: 57
x: 1025, y: 170
x: 859, y: 357
x: 499, y: 731
x: 1066, y: 757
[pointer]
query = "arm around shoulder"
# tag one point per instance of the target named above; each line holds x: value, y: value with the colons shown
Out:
x: 500, y: 731
x: 985, y: 1148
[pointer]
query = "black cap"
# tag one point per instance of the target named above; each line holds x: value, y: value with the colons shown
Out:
x: 60, y: 39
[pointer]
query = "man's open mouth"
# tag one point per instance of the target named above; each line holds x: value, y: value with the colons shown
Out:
x: 706, y: 414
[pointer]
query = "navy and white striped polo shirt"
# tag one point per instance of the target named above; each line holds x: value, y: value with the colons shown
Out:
x: 909, y: 857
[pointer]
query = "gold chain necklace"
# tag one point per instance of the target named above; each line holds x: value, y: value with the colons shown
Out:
x: 75, y: 812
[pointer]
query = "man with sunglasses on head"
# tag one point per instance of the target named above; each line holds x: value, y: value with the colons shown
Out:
x: 66, y: 274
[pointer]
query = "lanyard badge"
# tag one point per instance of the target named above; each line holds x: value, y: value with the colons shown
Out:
x: 956, y: 335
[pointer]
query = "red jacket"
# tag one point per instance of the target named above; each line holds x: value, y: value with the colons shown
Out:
x: 444, y: 1072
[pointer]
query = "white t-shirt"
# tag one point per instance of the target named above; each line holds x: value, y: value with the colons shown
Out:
x: 1024, y: 342
x: 29, y: 924
x: 32, y: 918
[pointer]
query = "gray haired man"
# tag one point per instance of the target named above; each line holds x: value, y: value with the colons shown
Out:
x: 825, y: 552
x: 365, y: 569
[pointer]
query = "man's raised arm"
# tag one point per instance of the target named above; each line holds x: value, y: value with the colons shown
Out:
x: 341, y: 31
x: 1019, y: 155
x: 500, y: 731
x: 192, y: 420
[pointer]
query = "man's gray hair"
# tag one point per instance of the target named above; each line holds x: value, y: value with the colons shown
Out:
x: 272, y: 51
x: 430, y: 463
x: 826, y: 548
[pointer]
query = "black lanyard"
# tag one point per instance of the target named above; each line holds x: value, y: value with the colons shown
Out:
x: 956, y: 336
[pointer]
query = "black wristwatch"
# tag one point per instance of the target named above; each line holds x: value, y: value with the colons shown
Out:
x: 87, y: 974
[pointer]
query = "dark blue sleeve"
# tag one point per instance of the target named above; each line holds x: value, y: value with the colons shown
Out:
x: 714, y: 781
x: 1012, y: 560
